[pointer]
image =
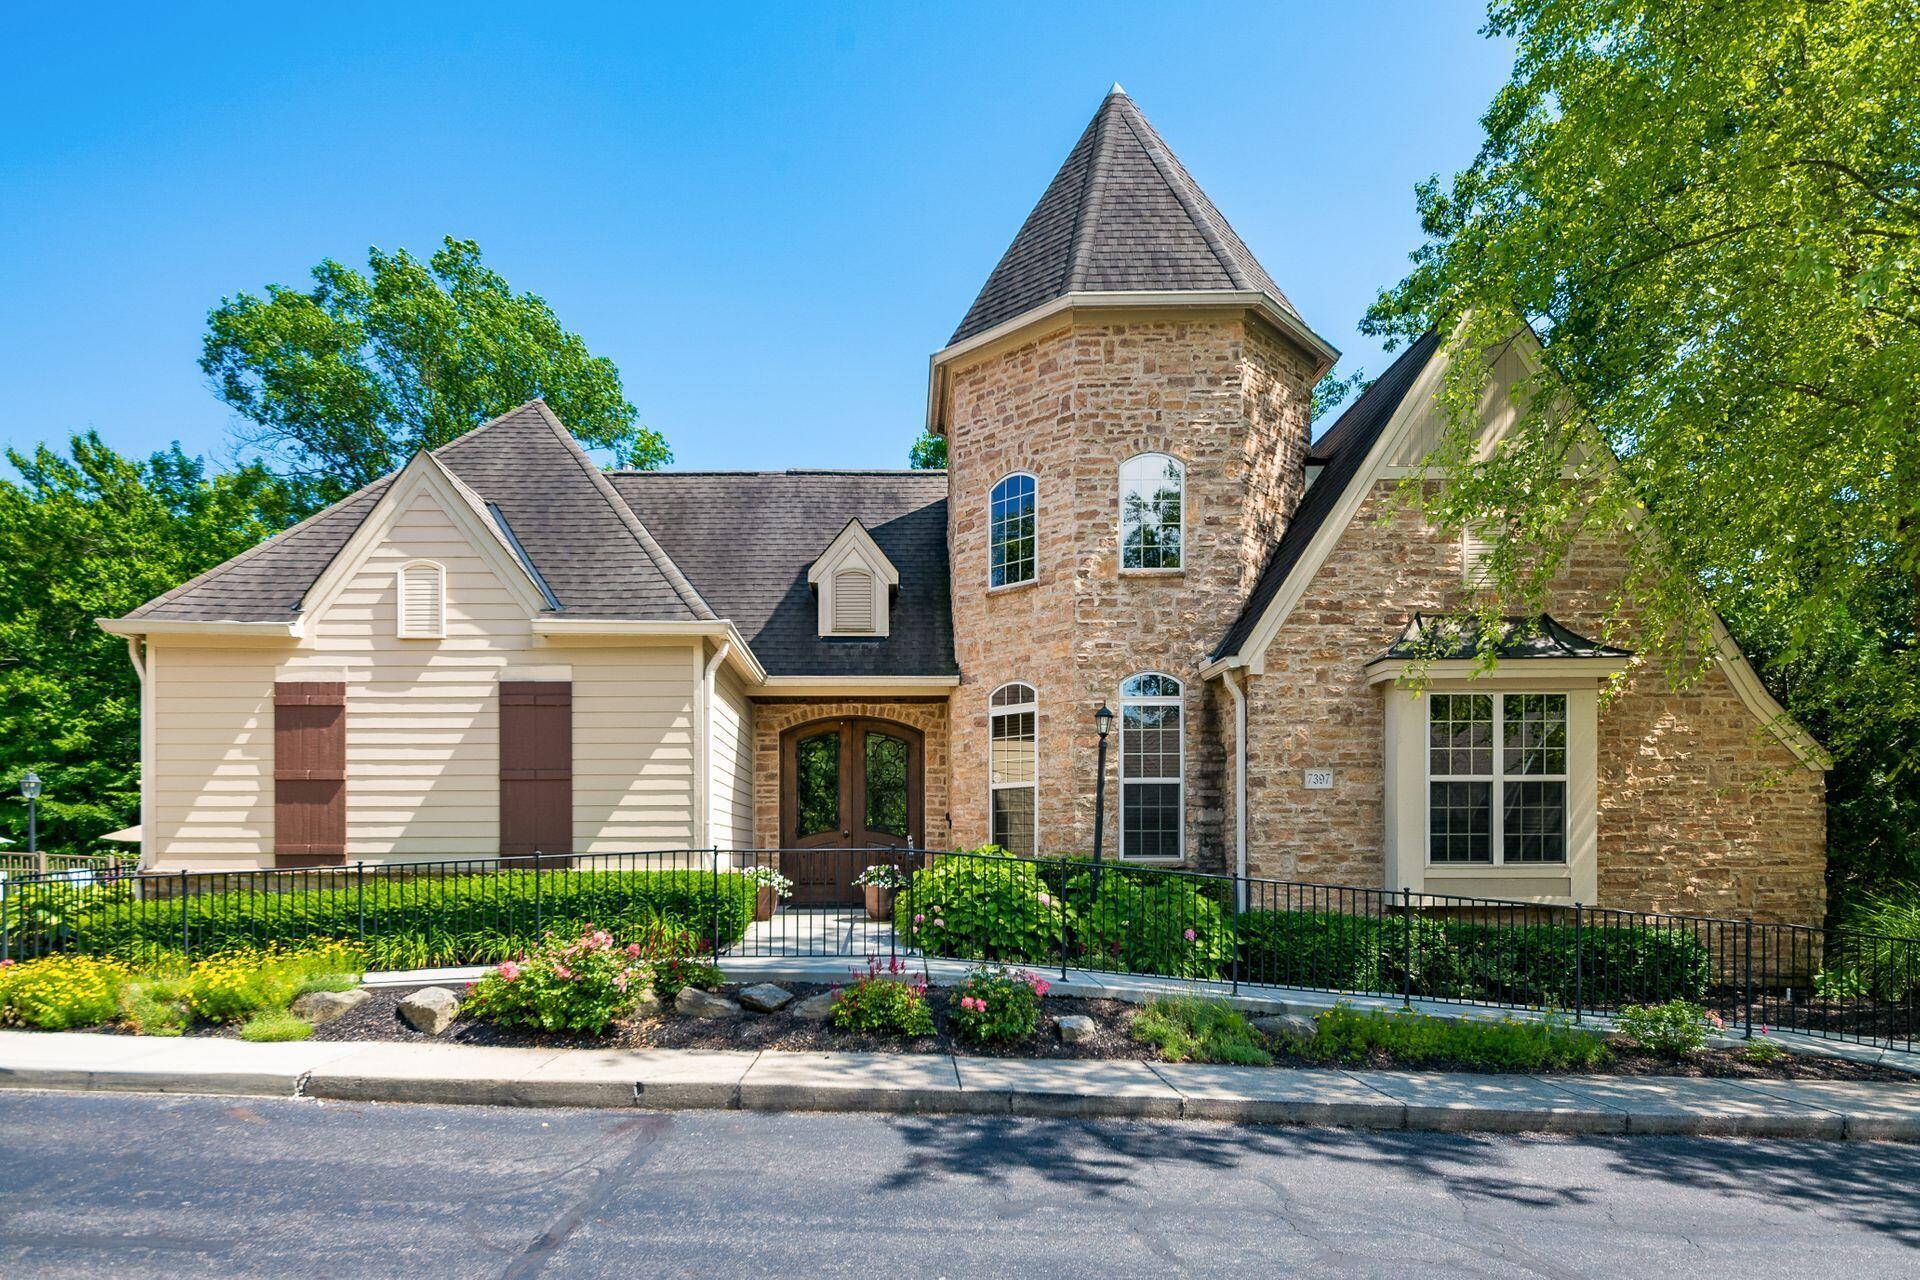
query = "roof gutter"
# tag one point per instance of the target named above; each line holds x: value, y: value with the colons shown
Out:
x: 1256, y: 300
x: 192, y: 627
x: 586, y: 630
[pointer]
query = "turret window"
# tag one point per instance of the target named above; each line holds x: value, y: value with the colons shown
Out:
x: 1014, y: 773
x: 1010, y: 538
x: 1152, y: 767
x: 1152, y: 512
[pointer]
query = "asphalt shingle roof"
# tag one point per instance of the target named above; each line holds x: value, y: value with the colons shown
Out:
x: 1121, y: 215
x: 747, y: 539
x: 1344, y: 446
x: 599, y: 560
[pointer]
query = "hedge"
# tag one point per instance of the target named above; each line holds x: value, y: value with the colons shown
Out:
x: 1514, y: 964
x: 419, y: 921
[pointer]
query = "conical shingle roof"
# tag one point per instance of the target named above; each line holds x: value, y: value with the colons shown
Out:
x: 1122, y: 215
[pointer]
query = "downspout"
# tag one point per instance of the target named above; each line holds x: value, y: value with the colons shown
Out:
x: 138, y: 654
x: 1239, y: 785
x: 703, y: 754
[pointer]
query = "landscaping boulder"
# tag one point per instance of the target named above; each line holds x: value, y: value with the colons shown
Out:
x: 816, y: 1008
x: 430, y: 1010
x: 648, y: 1002
x: 1075, y: 1027
x: 322, y: 1007
x: 704, y: 1004
x: 765, y: 997
x: 1295, y: 1025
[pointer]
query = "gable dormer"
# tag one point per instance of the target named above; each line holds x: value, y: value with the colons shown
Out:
x: 854, y: 581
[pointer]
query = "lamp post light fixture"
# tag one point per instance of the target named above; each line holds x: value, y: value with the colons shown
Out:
x: 30, y: 788
x: 1103, y: 719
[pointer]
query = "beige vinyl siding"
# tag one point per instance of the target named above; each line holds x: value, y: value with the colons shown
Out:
x: 1497, y: 411
x: 423, y: 760
x: 732, y: 762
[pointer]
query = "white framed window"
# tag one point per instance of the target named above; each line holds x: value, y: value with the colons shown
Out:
x: 421, y: 600
x: 1011, y: 551
x: 1014, y: 766
x: 1152, y: 512
x: 1497, y: 778
x: 1152, y: 767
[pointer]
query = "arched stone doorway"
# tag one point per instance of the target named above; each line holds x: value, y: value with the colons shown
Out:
x: 847, y: 783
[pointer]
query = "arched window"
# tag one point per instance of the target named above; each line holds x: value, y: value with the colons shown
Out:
x: 1014, y: 766
x: 421, y: 601
x: 1152, y: 767
x: 1010, y: 532
x: 854, y: 602
x: 1152, y: 511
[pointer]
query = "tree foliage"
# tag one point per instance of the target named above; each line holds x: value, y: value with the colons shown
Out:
x: 1710, y: 212
x: 88, y: 534
x: 344, y: 382
x: 929, y: 452
x: 1333, y: 391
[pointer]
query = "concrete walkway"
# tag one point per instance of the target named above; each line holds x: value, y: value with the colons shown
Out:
x: 771, y: 1081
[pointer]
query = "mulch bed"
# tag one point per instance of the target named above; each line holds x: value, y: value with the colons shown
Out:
x: 378, y: 1019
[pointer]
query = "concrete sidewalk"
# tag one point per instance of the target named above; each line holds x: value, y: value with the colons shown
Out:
x: 770, y: 1081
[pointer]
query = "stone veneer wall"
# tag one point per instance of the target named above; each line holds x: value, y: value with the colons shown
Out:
x: 774, y: 716
x: 1702, y: 809
x: 1225, y: 395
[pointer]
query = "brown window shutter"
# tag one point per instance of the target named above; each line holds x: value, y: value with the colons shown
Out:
x: 536, y: 767
x: 309, y: 773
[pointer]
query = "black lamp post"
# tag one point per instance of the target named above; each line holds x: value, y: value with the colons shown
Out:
x: 30, y: 788
x: 1104, y: 719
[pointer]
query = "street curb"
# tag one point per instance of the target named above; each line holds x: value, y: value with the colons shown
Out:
x: 939, y: 1084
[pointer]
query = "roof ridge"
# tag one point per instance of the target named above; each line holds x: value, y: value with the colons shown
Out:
x: 1091, y: 189
x: 1168, y: 166
x: 681, y: 585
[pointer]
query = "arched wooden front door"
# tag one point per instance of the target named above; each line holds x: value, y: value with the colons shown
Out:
x: 846, y: 784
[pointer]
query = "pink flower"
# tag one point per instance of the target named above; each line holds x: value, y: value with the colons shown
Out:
x: 1046, y: 899
x: 562, y: 972
x: 598, y: 940
x: 509, y: 972
x: 939, y: 923
x: 1189, y: 935
x: 620, y: 982
x: 633, y: 949
x: 919, y: 919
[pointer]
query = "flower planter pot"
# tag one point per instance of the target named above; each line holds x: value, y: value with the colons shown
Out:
x: 764, y: 903
x: 879, y: 902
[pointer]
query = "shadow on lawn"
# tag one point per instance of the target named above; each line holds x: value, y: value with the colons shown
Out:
x: 1867, y: 1183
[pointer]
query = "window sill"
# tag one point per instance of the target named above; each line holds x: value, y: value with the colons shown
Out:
x: 1516, y: 870
x: 1153, y: 573
x: 1175, y: 861
x: 1007, y: 587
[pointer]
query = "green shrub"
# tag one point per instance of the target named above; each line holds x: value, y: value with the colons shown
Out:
x: 1672, y: 1030
x: 884, y: 1003
x: 156, y: 1005
x: 1878, y: 952
x: 58, y: 993
x: 1761, y: 1052
x: 1143, y: 923
x: 1349, y: 1037
x: 997, y: 1006
x: 238, y: 984
x: 274, y: 1026
x: 982, y: 908
x: 582, y: 985
x: 1519, y: 964
x: 416, y: 922
x: 1187, y: 1028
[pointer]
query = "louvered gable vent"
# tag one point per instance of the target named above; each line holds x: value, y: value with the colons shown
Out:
x: 423, y: 601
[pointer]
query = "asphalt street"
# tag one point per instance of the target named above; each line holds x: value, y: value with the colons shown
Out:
x: 111, y: 1185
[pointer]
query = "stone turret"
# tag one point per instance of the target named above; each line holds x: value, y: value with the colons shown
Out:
x: 1127, y: 318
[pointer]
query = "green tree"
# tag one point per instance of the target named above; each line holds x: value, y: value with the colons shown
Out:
x: 344, y: 382
x: 1710, y: 213
x: 929, y: 452
x: 85, y: 535
x: 1333, y: 391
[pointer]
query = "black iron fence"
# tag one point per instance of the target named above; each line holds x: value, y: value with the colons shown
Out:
x: 1067, y: 913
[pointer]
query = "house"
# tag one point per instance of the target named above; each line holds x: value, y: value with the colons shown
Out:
x: 502, y: 649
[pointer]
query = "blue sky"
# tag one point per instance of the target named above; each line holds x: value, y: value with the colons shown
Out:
x: 768, y: 218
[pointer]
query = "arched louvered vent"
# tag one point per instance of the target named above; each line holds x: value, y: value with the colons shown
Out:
x: 423, y: 601
x: 855, y: 607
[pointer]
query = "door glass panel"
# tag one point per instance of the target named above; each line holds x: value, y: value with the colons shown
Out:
x: 886, y: 784
x: 817, y: 762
